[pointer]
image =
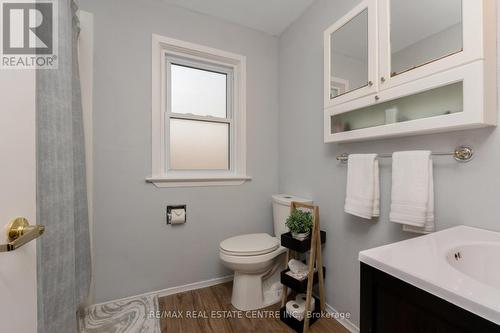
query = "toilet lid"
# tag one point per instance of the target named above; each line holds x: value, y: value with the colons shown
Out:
x: 250, y: 244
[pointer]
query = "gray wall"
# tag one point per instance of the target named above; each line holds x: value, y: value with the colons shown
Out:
x: 465, y: 193
x: 135, y: 251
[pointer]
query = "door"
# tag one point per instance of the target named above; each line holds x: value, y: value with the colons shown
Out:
x: 18, y: 283
x: 421, y: 38
x: 18, y: 268
x: 350, y: 47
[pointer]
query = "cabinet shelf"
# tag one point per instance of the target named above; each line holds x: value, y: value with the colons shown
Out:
x: 297, y: 245
x: 298, y: 325
x: 299, y: 286
x: 448, y: 101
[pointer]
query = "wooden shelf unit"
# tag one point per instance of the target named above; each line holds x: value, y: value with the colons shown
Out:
x: 315, y: 271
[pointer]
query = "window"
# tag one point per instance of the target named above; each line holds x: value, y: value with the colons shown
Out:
x: 198, y: 115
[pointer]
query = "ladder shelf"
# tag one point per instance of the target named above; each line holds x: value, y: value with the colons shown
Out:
x: 316, y: 272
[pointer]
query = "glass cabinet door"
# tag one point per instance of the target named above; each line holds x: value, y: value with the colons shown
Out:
x: 349, y: 55
x: 424, y: 37
x: 423, y: 31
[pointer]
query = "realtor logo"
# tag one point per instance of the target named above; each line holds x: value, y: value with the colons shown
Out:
x: 29, y: 34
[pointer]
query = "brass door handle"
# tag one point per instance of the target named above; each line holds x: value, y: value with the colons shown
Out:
x: 20, y: 232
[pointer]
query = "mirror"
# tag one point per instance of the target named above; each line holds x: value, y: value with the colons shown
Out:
x: 349, y: 56
x: 424, y: 31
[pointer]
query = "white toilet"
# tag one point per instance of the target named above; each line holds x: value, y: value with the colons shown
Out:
x: 257, y: 260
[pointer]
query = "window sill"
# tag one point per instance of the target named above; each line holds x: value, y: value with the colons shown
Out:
x: 197, y: 181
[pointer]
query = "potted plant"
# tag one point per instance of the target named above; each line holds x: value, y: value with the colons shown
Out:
x: 300, y: 224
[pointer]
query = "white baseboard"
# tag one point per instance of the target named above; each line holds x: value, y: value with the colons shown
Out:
x: 178, y: 289
x: 193, y: 286
x: 345, y: 322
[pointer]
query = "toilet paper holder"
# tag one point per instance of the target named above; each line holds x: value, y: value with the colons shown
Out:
x: 170, y: 208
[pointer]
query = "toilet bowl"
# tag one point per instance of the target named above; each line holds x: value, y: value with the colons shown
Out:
x: 257, y: 260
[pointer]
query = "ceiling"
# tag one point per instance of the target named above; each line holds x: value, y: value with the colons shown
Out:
x: 270, y: 16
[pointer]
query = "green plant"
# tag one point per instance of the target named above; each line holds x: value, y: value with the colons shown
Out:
x: 299, y: 221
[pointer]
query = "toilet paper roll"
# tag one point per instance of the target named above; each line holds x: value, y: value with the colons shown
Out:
x: 297, y: 267
x: 295, y: 309
x: 301, y: 299
x: 177, y: 216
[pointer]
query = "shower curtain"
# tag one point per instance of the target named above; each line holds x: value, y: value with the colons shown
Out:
x: 63, y: 253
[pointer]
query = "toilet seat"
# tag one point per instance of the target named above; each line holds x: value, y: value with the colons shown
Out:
x: 249, y: 245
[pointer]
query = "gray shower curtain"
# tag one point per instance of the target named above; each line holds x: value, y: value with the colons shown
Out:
x: 63, y: 253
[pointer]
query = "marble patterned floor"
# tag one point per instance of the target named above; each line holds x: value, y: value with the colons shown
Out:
x: 131, y: 315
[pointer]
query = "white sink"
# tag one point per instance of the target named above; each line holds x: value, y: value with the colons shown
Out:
x: 460, y: 265
x: 479, y: 260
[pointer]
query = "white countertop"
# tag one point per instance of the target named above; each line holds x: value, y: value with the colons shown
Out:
x: 422, y: 262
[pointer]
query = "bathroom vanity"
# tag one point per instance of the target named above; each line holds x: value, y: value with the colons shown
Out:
x: 444, y: 282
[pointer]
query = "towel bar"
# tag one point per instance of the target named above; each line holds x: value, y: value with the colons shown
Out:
x: 20, y: 232
x: 460, y: 154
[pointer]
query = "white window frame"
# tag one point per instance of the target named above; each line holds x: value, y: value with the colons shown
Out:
x: 163, y: 47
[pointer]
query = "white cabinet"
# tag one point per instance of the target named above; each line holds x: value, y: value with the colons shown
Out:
x: 417, y: 66
x: 351, y: 55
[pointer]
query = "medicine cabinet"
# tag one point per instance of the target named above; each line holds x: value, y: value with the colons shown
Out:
x: 399, y: 67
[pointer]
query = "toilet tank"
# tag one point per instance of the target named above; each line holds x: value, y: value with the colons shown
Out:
x: 281, y: 211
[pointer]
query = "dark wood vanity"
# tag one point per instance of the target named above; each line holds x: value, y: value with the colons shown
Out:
x: 389, y: 305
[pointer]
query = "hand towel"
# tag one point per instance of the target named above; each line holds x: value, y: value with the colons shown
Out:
x: 363, y: 190
x: 430, y: 225
x: 412, y: 202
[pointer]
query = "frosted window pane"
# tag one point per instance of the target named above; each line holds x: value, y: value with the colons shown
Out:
x: 198, y: 92
x: 198, y: 145
x: 436, y: 102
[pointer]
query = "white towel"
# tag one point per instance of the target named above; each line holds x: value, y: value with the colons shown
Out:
x: 363, y: 190
x: 412, y: 201
x: 429, y: 226
x: 297, y: 267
